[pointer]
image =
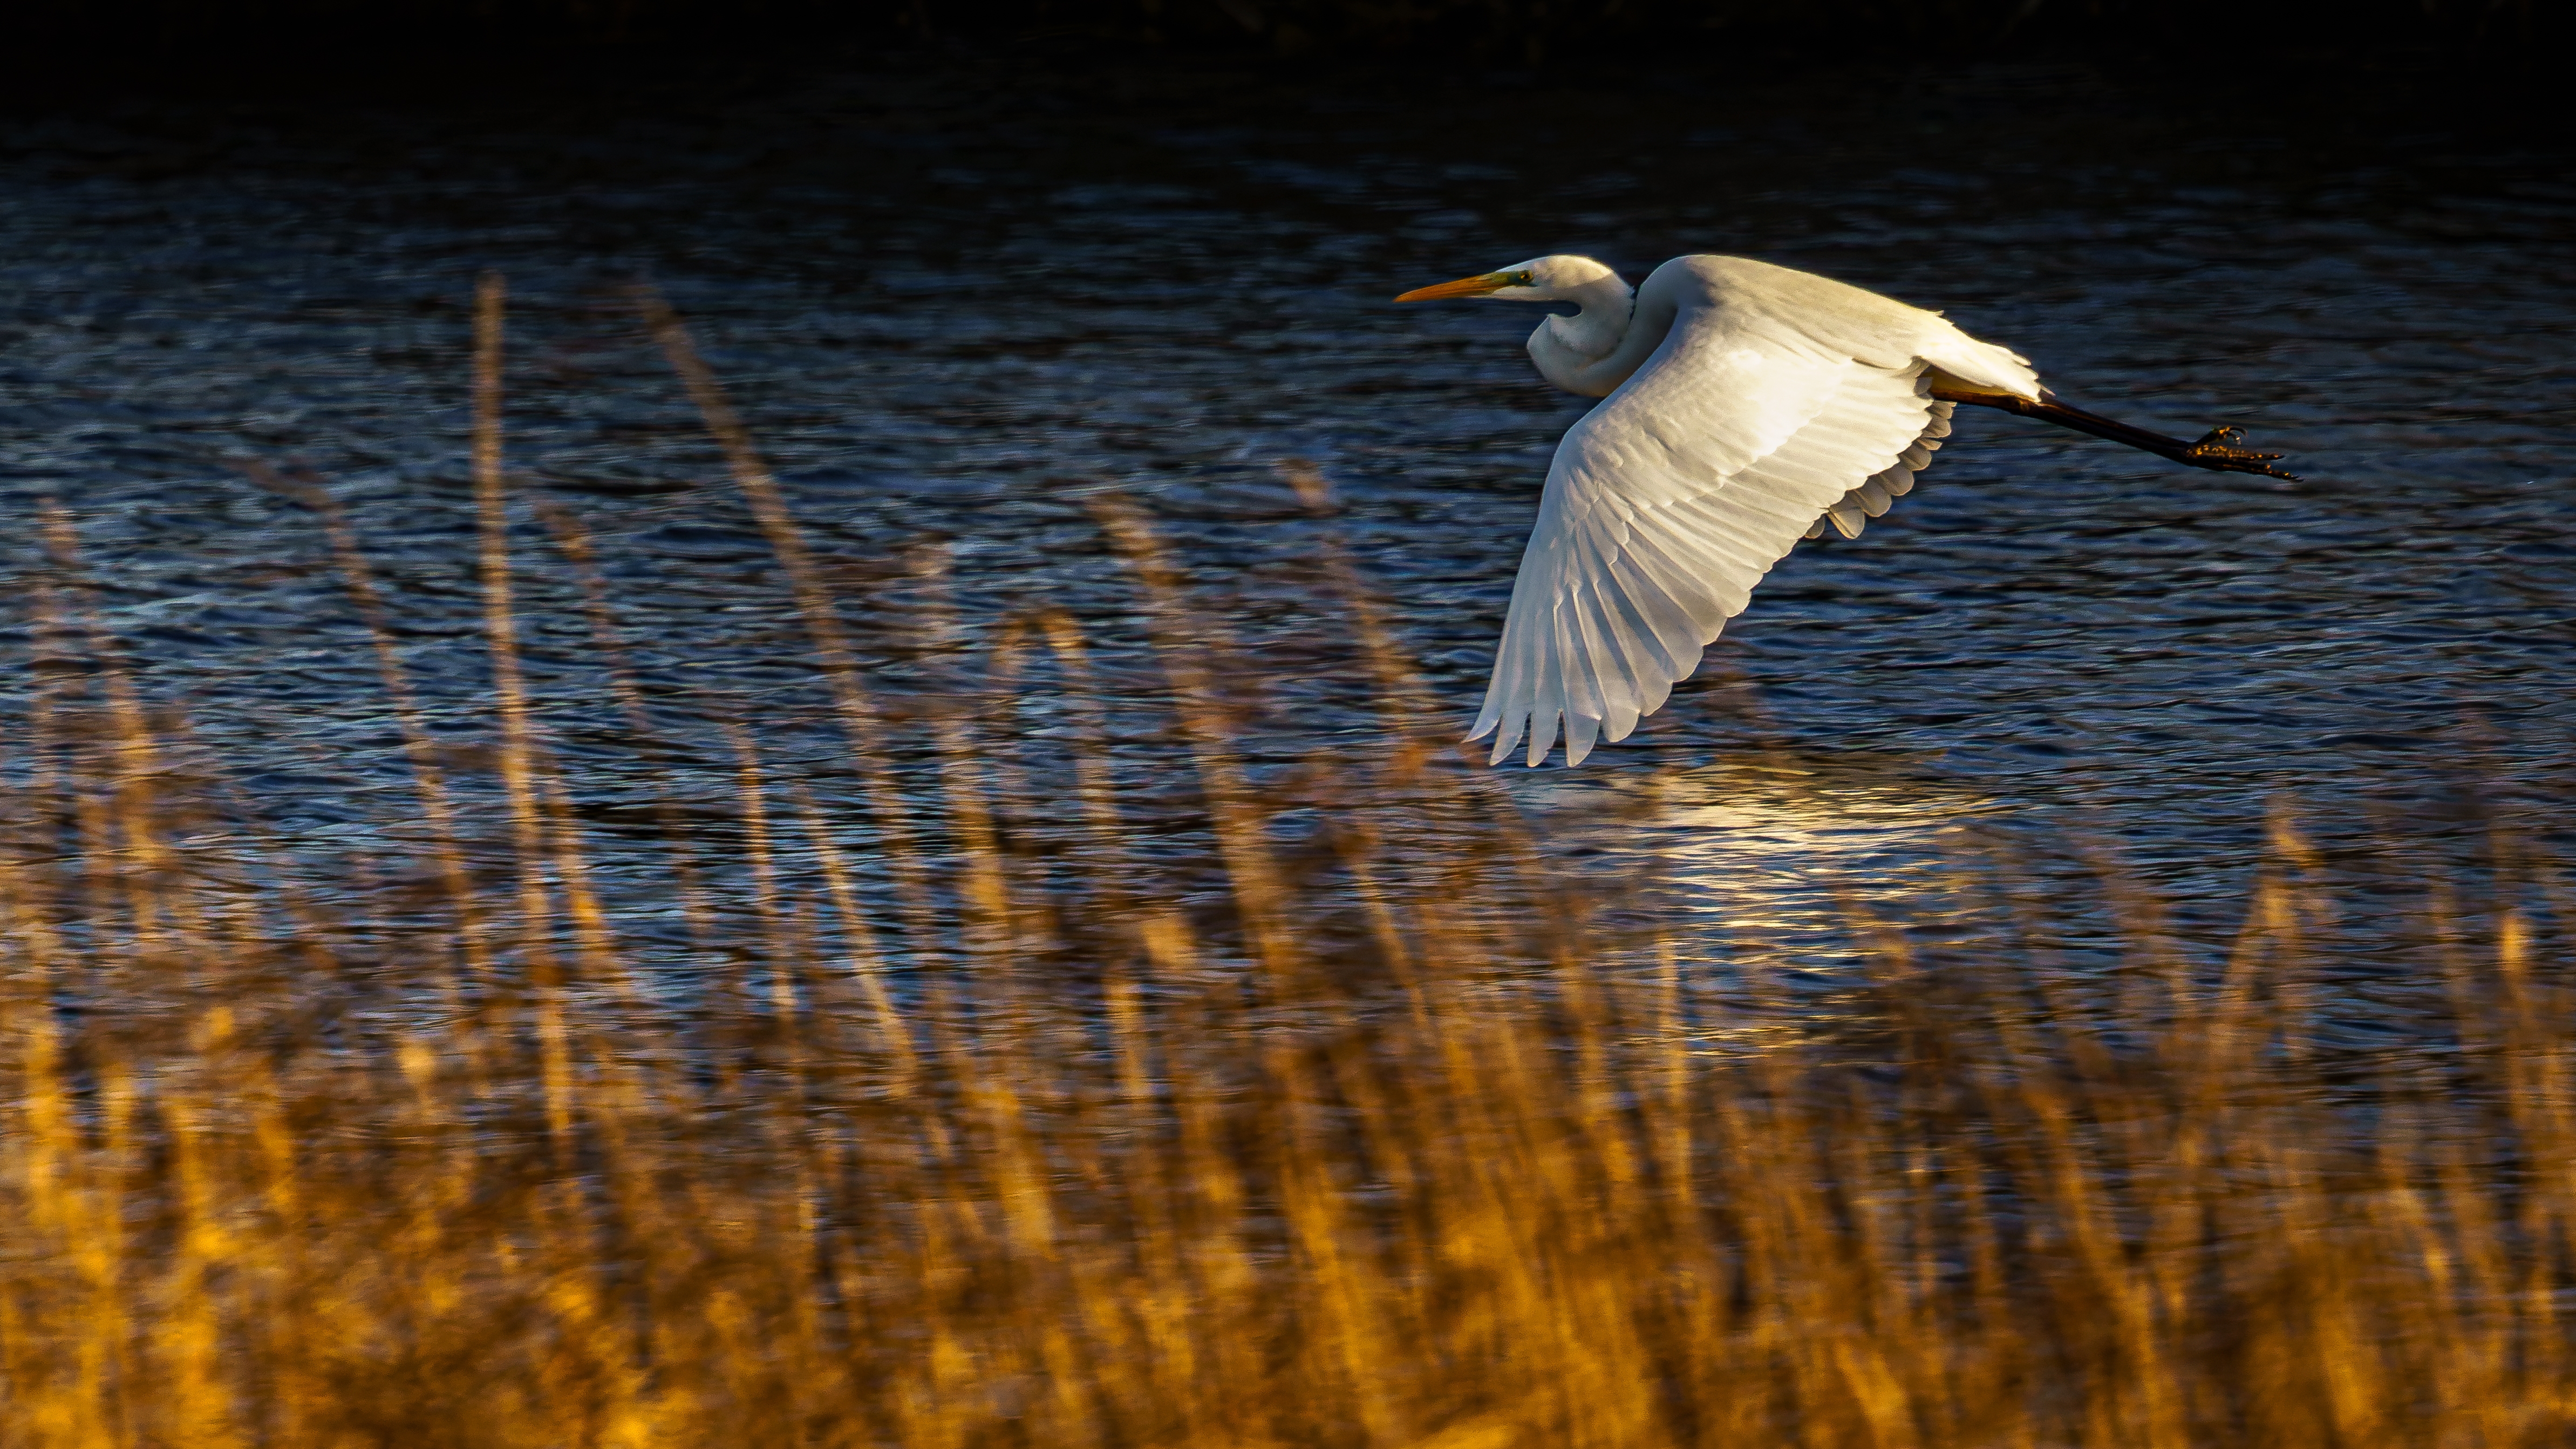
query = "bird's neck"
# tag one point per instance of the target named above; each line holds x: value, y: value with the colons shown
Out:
x: 1587, y: 352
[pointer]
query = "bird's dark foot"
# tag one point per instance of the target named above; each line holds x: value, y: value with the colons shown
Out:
x: 2217, y: 451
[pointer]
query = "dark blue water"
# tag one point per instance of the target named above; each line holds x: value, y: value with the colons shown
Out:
x: 953, y: 306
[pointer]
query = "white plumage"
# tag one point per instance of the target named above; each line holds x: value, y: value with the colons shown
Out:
x: 1747, y: 406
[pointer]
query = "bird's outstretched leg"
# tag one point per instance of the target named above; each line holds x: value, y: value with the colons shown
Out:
x: 2216, y: 450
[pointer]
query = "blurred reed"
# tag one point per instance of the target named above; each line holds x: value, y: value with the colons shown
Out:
x: 1379, y: 1152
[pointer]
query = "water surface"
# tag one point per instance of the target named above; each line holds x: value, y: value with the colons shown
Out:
x: 954, y: 305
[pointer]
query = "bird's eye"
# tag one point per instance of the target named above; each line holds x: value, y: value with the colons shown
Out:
x: 1523, y: 279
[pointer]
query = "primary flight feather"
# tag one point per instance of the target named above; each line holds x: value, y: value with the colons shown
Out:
x: 1746, y: 406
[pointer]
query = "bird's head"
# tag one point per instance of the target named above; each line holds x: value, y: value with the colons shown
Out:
x: 1570, y: 348
x: 1540, y: 279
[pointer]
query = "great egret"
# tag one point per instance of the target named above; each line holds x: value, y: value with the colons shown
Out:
x: 1748, y: 406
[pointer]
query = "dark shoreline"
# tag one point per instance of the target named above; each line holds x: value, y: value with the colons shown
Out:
x: 69, y: 53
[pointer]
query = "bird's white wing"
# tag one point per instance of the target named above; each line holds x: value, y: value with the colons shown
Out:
x: 1669, y: 502
x: 1871, y: 499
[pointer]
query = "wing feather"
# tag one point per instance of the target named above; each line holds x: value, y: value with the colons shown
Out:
x: 1870, y: 499
x: 1670, y: 501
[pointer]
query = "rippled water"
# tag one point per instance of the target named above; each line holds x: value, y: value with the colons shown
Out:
x: 951, y: 306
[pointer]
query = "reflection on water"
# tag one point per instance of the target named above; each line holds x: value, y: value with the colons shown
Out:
x: 1773, y: 849
x: 1785, y: 852
x: 954, y: 307
x: 1786, y: 866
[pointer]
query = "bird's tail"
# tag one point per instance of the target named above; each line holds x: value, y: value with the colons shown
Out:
x: 1982, y: 364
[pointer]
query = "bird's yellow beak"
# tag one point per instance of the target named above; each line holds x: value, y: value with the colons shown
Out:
x: 1477, y: 286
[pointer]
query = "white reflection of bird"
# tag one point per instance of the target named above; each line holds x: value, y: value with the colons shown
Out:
x: 1748, y: 406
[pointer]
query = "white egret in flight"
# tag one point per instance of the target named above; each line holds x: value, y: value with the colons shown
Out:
x: 1747, y: 406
